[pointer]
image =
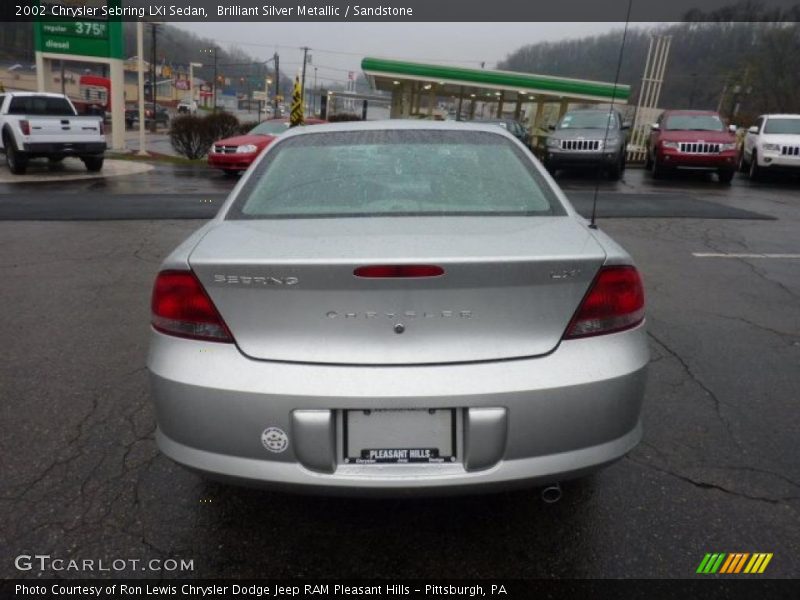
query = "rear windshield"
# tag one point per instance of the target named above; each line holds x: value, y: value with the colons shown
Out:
x: 790, y: 126
x: 40, y: 106
x: 395, y: 172
x: 694, y: 123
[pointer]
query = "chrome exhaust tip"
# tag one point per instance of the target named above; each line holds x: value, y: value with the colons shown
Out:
x: 552, y: 493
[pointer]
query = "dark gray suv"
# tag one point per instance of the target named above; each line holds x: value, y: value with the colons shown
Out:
x: 584, y: 138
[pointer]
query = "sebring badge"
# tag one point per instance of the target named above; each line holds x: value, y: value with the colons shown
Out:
x: 247, y: 280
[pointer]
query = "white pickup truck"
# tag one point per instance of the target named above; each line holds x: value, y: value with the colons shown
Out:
x: 34, y: 125
x: 772, y: 144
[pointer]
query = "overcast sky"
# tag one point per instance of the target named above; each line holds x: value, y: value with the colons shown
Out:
x: 339, y: 47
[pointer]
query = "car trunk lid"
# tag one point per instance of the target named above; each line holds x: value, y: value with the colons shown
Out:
x: 287, y: 288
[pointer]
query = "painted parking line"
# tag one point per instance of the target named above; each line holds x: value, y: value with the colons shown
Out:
x: 742, y: 255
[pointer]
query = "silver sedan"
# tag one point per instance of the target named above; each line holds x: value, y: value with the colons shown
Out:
x: 397, y: 307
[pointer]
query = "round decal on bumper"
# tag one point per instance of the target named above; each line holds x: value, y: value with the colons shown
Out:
x: 275, y: 439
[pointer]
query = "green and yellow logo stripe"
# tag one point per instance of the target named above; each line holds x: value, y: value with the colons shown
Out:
x: 734, y: 563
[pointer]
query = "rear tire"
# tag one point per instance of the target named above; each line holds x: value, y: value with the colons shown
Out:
x: 93, y: 163
x: 726, y: 176
x: 17, y: 161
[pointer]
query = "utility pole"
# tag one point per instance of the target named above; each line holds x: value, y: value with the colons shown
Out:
x: 316, y: 93
x: 154, y: 123
x: 303, y: 78
x: 277, y: 85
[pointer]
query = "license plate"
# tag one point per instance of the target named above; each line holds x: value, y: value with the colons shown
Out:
x: 399, y: 436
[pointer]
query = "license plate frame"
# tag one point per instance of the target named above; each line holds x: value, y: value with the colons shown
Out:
x: 433, y: 441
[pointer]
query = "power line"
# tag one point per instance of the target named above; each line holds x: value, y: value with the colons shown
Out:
x: 346, y: 53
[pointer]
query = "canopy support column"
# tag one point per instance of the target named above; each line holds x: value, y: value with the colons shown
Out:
x: 562, y: 109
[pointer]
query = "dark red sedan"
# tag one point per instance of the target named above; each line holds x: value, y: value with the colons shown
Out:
x: 235, y: 154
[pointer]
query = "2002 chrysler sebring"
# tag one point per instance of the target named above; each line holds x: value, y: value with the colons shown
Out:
x: 399, y: 307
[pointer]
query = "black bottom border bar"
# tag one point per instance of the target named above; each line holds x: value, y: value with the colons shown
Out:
x: 707, y: 588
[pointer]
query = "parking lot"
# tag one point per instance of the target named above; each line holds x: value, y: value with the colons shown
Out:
x: 717, y: 470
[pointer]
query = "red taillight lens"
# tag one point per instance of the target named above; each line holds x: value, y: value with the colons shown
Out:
x: 383, y: 271
x: 25, y: 127
x: 181, y: 307
x: 614, y: 302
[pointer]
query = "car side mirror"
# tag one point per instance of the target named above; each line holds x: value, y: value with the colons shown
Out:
x: 753, y: 129
x: 655, y: 127
x: 732, y: 128
x: 626, y: 126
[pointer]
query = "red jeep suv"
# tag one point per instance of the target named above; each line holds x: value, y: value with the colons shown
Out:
x: 692, y: 140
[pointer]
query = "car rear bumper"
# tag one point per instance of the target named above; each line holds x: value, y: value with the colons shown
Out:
x: 520, y: 422
x: 231, y: 162
x: 66, y: 148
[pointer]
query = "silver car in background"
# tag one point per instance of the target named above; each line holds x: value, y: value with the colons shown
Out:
x: 397, y: 307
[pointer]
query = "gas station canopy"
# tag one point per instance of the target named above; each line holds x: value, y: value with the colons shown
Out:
x: 482, y: 84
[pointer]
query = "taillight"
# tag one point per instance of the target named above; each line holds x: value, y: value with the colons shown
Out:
x: 384, y: 271
x: 181, y: 307
x: 614, y: 302
x: 25, y: 127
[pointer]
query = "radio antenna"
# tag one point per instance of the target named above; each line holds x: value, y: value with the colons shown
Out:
x: 593, y: 221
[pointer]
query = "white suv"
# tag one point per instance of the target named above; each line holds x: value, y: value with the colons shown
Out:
x: 772, y: 144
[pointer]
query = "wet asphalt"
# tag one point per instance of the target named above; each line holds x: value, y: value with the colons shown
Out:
x: 717, y: 471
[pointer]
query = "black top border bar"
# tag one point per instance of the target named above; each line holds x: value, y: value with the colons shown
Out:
x: 403, y: 10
